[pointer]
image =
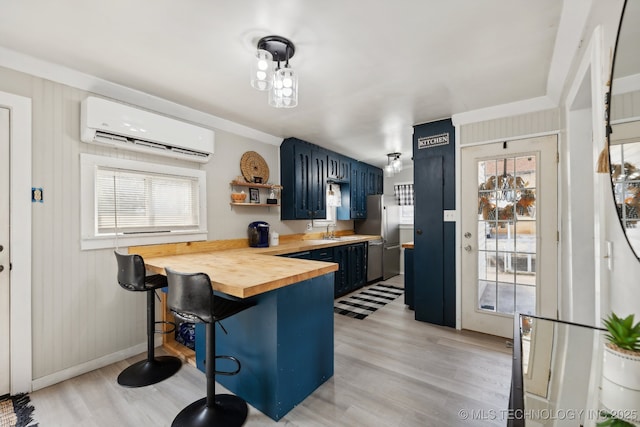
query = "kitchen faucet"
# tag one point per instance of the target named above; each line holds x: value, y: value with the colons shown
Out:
x: 330, y: 233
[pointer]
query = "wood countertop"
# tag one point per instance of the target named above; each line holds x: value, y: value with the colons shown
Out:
x: 248, y: 272
x: 408, y: 245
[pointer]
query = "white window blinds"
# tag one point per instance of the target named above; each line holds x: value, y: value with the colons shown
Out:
x: 127, y: 202
x: 130, y: 201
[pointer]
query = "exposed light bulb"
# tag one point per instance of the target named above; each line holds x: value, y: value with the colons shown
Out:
x: 262, y: 64
x: 261, y: 71
x: 396, y: 164
x: 388, y: 171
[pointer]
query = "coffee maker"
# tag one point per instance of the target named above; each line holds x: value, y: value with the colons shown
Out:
x: 259, y: 234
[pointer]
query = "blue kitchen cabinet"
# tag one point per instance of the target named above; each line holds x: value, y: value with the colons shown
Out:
x: 358, y: 265
x: 352, y: 270
x: 303, y: 173
x: 408, y: 277
x: 375, y: 179
x: 306, y: 168
x: 358, y: 190
x: 341, y: 277
x: 338, y: 167
x: 325, y: 254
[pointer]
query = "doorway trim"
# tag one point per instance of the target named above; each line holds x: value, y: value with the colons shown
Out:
x: 20, y: 240
x: 590, y: 78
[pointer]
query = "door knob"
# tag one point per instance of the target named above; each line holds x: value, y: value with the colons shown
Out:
x: 1, y: 248
x: 467, y: 234
x: 467, y: 248
x: 418, y: 231
x: 1, y: 268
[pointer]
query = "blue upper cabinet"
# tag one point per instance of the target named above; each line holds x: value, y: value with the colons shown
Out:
x: 359, y: 175
x: 339, y: 167
x: 375, y: 179
x: 304, y: 171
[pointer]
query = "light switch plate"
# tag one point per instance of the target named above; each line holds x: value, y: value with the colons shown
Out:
x: 450, y: 215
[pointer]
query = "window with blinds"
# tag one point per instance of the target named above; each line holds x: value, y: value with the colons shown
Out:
x: 127, y: 202
x: 132, y: 201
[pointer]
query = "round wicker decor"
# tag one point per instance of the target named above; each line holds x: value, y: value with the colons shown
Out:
x: 253, y: 165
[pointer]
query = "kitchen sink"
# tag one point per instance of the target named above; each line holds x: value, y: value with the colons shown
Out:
x: 343, y: 238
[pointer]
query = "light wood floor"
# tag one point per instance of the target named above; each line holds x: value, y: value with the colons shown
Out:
x: 390, y: 370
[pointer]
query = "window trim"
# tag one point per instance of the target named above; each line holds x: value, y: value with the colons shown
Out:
x: 90, y: 239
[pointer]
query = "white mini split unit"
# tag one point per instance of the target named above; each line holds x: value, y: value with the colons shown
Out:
x: 106, y: 122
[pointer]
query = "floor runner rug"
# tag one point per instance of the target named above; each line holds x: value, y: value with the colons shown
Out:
x: 362, y: 303
x: 16, y: 411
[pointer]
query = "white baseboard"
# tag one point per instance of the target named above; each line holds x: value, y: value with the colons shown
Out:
x: 89, y: 366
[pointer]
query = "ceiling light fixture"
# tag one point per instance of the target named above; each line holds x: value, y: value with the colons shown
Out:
x: 268, y: 72
x: 394, y: 164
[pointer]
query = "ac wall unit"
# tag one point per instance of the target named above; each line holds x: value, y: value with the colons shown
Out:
x: 105, y: 122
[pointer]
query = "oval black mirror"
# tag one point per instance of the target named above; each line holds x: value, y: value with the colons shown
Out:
x: 623, y: 124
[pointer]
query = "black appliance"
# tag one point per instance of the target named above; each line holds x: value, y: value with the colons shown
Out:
x: 259, y: 234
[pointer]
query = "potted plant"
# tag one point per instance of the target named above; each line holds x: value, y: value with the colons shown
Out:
x: 621, y: 365
x: 612, y: 421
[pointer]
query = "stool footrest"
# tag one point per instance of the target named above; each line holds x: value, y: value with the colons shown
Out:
x: 162, y: 331
x: 229, y: 373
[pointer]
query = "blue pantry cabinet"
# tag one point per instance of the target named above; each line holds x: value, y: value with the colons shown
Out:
x: 434, y: 256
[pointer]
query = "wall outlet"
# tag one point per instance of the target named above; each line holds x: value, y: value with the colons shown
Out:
x: 450, y: 216
x: 309, y: 226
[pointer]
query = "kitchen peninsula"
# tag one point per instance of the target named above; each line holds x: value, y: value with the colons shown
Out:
x: 285, y: 342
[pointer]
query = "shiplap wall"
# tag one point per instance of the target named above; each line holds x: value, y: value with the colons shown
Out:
x: 510, y: 127
x: 80, y: 314
x: 625, y: 106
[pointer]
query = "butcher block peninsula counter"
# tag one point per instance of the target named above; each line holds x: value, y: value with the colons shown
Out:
x: 284, y: 342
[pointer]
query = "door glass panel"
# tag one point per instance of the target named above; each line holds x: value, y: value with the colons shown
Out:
x: 507, y: 235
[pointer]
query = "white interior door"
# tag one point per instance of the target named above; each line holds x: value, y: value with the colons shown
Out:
x: 509, y: 233
x: 4, y: 252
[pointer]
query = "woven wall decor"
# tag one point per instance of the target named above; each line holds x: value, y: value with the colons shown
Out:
x: 252, y: 165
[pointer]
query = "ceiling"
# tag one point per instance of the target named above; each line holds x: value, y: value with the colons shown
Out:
x: 368, y: 71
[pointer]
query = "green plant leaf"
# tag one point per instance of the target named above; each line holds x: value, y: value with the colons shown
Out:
x: 623, y: 332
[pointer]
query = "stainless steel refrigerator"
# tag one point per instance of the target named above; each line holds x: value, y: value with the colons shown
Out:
x: 383, y: 219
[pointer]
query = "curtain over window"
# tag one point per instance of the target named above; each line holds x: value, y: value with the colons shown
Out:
x: 404, y: 194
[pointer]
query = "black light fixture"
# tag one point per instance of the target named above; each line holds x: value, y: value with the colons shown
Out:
x: 271, y: 71
x: 394, y: 164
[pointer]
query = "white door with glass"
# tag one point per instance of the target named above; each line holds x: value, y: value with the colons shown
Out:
x: 509, y: 233
x: 4, y: 252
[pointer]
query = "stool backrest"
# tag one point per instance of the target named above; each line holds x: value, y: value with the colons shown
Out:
x: 190, y: 294
x: 131, y: 271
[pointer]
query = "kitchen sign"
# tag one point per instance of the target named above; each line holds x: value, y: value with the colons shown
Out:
x: 433, y: 141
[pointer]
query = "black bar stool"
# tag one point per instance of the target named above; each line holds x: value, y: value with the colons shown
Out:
x: 191, y: 298
x: 132, y: 277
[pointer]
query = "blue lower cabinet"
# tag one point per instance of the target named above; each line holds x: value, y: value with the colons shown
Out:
x: 284, y: 343
x: 352, y: 270
x: 341, y: 256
